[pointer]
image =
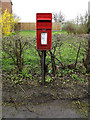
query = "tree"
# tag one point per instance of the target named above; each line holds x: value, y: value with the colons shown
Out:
x: 58, y: 18
x: 77, y: 20
x: 86, y: 61
x: 78, y: 26
x: 16, y: 19
x: 88, y: 24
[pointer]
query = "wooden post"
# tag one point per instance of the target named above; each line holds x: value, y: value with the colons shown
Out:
x: 43, y: 67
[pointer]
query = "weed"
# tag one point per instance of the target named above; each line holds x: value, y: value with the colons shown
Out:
x: 49, y: 79
x: 16, y: 79
x: 74, y: 76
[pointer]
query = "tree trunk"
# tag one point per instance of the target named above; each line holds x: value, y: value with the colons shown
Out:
x: 53, y: 63
x: 87, y: 60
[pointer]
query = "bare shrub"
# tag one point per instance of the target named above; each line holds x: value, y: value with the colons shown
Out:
x: 70, y: 27
x: 14, y: 47
x: 78, y: 26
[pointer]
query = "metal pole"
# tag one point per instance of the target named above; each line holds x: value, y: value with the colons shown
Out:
x: 43, y: 67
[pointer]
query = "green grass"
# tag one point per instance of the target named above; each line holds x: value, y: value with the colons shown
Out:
x: 33, y: 33
x: 59, y: 32
x: 68, y: 52
x: 28, y: 33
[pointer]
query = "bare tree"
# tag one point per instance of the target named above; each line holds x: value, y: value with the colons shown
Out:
x: 83, y: 19
x: 88, y: 24
x: 86, y: 61
x: 16, y: 25
x: 61, y: 17
x: 55, y: 17
x: 77, y: 20
x: 58, y: 17
x: 16, y: 16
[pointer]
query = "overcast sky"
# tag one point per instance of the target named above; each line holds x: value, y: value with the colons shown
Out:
x: 27, y: 9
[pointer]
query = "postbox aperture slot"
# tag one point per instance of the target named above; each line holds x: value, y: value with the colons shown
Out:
x: 44, y: 20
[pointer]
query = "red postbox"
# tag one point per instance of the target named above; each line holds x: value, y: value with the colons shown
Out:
x: 44, y: 31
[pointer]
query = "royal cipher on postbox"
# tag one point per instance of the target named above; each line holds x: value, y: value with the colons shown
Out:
x: 44, y: 31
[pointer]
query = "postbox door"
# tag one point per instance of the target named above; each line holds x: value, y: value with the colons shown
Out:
x: 44, y: 39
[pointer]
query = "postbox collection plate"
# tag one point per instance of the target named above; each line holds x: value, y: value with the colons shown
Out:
x: 44, y: 31
x: 43, y: 38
